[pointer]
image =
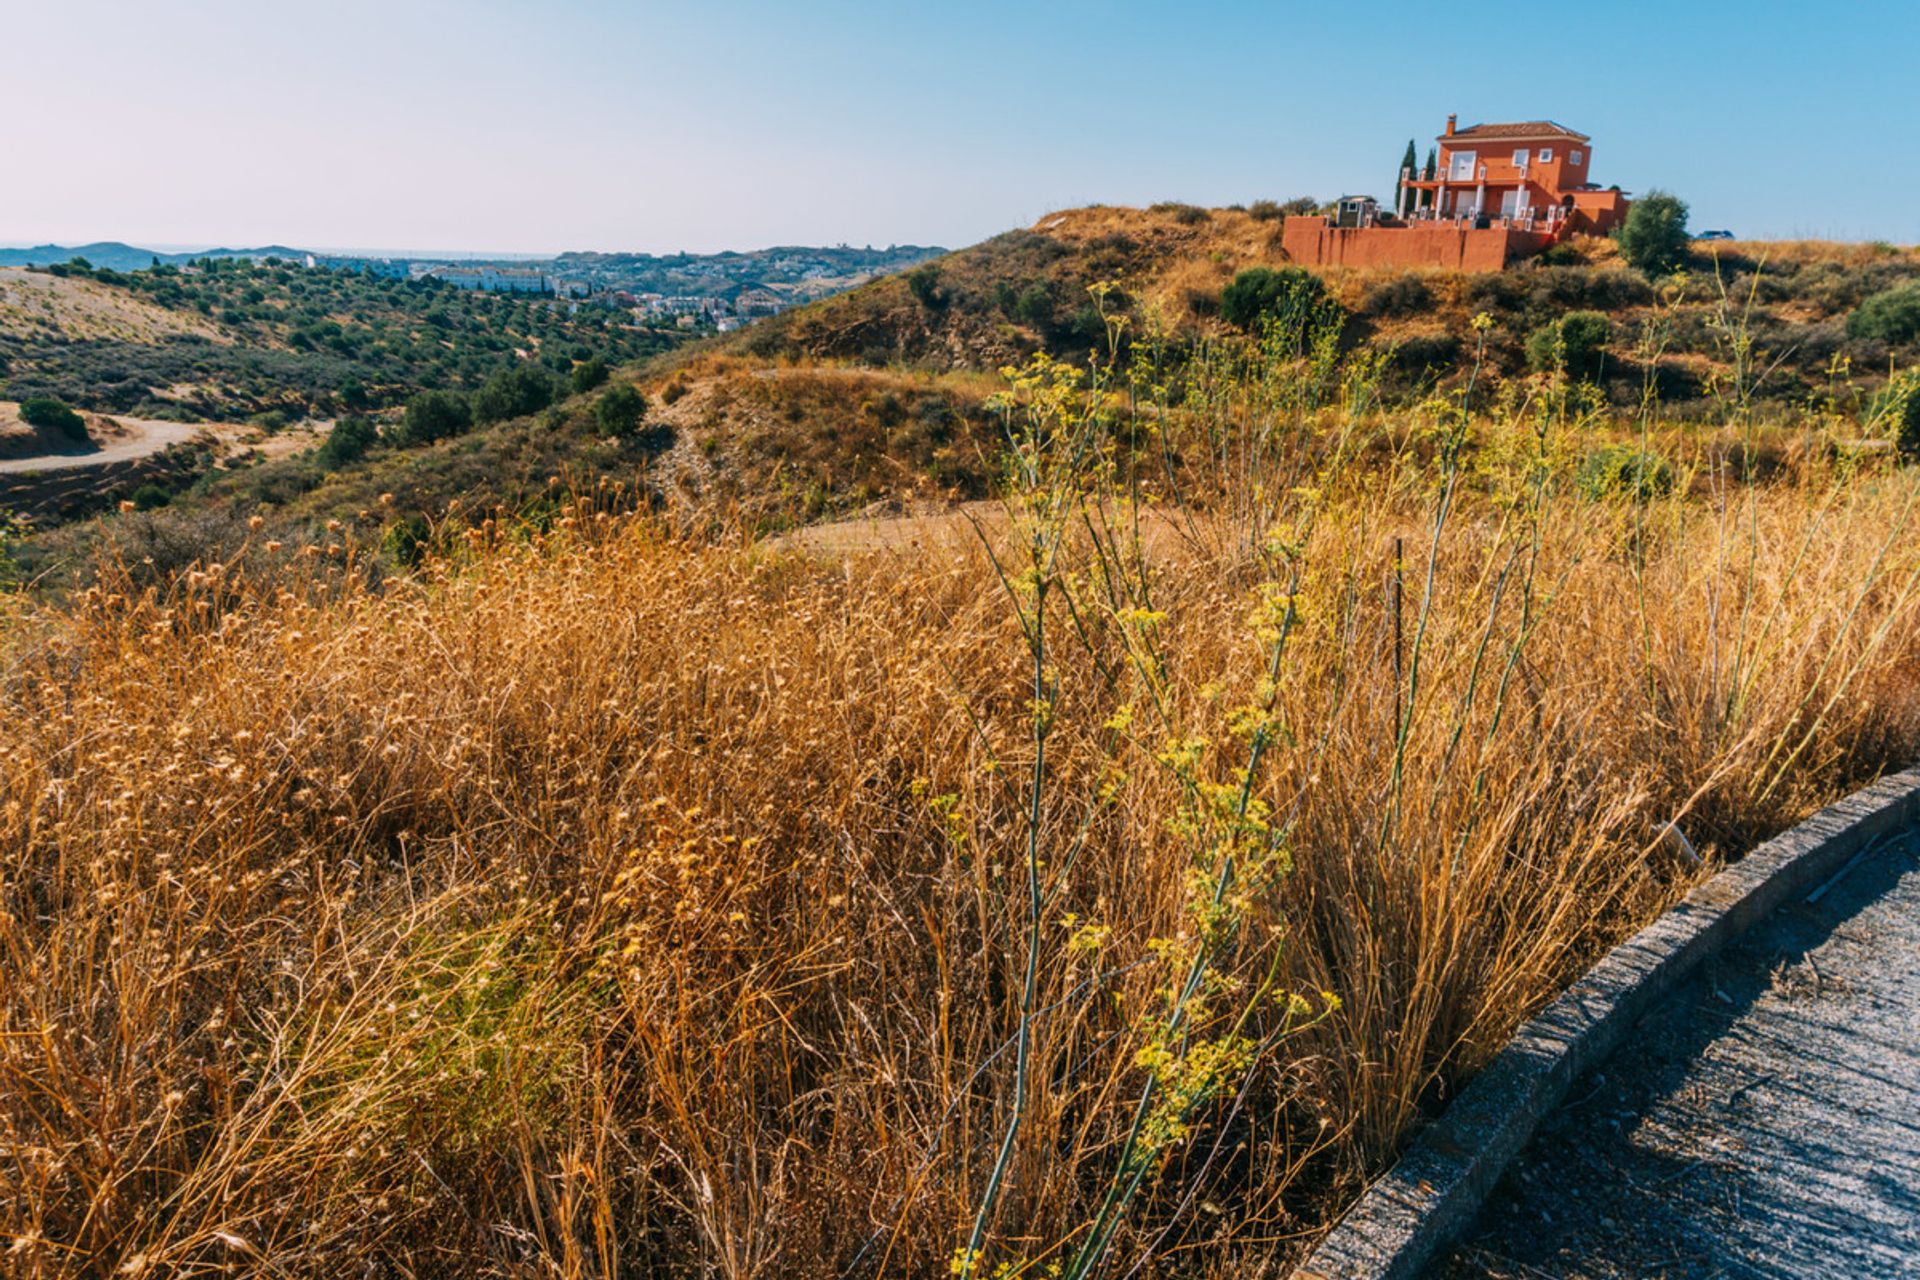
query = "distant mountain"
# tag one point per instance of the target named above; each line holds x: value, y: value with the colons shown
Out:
x: 118, y: 256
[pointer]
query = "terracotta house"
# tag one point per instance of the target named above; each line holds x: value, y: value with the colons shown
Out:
x: 1532, y: 174
x: 1499, y: 192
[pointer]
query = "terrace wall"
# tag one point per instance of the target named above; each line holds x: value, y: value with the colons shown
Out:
x: 1314, y: 242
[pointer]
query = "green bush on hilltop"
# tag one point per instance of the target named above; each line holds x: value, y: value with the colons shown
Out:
x: 1654, y: 237
x: 54, y: 415
x: 1892, y: 316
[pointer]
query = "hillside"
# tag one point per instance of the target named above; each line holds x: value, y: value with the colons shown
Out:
x: 232, y: 338
x: 995, y: 303
x: 38, y: 307
x: 884, y: 397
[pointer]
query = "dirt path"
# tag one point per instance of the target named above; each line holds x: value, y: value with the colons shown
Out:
x: 117, y: 438
x: 1765, y: 1125
x: 142, y: 436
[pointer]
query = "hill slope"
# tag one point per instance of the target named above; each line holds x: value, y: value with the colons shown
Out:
x: 884, y: 394
x: 1028, y: 290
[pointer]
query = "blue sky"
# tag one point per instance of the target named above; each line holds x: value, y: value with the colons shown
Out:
x: 513, y: 125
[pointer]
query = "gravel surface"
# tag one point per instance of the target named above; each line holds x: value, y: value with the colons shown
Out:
x: 1764, y: 1123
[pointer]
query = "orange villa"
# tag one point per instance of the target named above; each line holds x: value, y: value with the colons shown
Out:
x: 1499, y: 192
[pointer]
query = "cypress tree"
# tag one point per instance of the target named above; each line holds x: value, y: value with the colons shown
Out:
x: 1409, y: 167
x: 1433, y: 167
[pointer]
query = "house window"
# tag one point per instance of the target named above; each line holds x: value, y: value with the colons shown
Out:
x: 1574, y: 156
x: 1546, y: 155
x: 1520, y: 158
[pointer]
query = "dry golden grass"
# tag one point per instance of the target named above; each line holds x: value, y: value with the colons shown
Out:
x: 606, y: 902
x: 37, y: 305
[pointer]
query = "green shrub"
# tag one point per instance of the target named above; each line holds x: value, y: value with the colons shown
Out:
x: 150, y: 497
x: 1561, y: 255
x: 1265, y: 211
x: 1405, y: 295
x: 1186, y: 214
x: 1897, y: 411
x: 1654, y: 237
x: 1893, y: 316
x: 407, y: 540
x: 620, y: 410
x: 1260, y: 294
x: 1426, y: 354
x: 1625, y: 470
x: 587, y: 375
x: 1032, y: 305
x: 55, y: 415
x: 348, y: 442
x: 924, y: 284
x: 512, y: 393
x: 434, y: 415
x: 1576, y: 342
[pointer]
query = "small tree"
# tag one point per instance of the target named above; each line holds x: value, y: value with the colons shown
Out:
x: 620, y: 410
x: 588, y: 374
x: 54, y: 415
x: 1654, y: 237
x: 1409, y: 168
x: 434, y: 415
x: 348, y: 442
x: 512, y: 393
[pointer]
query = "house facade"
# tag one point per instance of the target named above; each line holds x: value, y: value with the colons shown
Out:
x: 1499, y: 192
x: 1532, y: 174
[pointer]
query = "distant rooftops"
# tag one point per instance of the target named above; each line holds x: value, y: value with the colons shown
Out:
x: 1520, y: 129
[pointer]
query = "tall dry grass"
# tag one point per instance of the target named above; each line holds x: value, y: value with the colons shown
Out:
x: 607, y: 902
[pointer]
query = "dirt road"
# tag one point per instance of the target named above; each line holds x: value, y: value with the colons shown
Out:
x: 141, y: 437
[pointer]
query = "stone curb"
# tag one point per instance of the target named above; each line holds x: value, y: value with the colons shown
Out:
x: 1436, y: 1188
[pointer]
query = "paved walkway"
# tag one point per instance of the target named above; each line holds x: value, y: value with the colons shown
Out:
x: 1764, y: 1124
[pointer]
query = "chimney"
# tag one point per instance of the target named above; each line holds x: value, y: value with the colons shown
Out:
x: 1451, y: 121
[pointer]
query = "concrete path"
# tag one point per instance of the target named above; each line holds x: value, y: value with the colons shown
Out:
x: 1764, y: 1124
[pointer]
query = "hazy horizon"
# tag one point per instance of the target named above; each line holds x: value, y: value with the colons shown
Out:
x: 642, y: 127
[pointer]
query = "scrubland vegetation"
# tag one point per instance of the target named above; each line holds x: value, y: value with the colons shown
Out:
x: 272, y: 336
x: 1098, y: 882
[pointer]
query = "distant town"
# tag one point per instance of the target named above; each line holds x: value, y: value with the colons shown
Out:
x: 716, y: 292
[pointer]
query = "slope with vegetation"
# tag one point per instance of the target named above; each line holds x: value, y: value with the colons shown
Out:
x: 228, y: 338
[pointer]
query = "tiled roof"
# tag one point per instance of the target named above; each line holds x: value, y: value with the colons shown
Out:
x: 1523, y: 129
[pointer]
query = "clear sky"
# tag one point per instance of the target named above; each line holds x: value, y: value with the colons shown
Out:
x: 539, y: 125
